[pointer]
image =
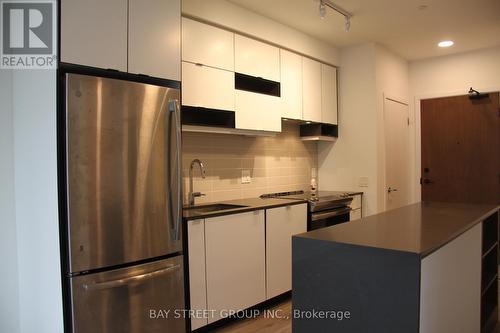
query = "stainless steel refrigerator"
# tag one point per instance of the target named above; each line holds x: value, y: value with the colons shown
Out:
x: 124, y: 205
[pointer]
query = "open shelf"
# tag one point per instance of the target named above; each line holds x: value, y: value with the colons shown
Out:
x: 489, y: 275
x: 490, y: 232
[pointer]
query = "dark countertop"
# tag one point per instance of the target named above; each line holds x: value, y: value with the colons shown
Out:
x: 250, y: 203
x: 419, y: 228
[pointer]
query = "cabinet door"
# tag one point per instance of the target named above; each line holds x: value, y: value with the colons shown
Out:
x: 207, y: 45
x: 328, y: 94
x: 207, y: 87
x: 155, y: 38
x: 197, y: 282
x: 355, y: 214
x: 235, y: 259
x: 94, y: 33
x: 450, y: 286
x: 291, y: 85
x: 255, y: 58
x: 281, y: 224
x: 257, y: 111
x: 311, y: 85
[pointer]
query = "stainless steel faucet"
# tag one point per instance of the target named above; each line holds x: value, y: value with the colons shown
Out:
x: 191, y: 194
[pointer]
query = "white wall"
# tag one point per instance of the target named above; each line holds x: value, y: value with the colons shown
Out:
x: 239, y: 19
x: 367, y: 73
x: 36, y: 201
x: 391, y: 73
x: 9, y: 288
x: 448, y: 76
x: 354, y: 154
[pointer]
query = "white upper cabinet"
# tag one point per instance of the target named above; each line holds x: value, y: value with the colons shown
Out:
x: 94, y: 33
x: 136, y: 36
x: 155, y: 38
x: 207, y: 87
x: 255, y: 58
x: 311, y: 75
x: 207, y: 45
x: 328, y: 94
x: 291, y: 85
x: 257, y: 111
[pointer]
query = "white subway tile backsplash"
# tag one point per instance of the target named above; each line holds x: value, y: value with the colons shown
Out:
x: 276, y: 164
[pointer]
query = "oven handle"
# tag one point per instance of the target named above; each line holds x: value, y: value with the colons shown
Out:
x: 328, y: 214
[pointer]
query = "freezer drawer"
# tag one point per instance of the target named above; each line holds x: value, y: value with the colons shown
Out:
x: 121, y: 300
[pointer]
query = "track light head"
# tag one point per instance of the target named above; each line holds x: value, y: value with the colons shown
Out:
x: 347, y: 24
x: 322, y: 10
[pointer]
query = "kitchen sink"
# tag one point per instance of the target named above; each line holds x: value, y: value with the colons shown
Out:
x: 203, y: 209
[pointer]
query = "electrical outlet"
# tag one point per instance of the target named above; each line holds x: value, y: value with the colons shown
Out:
x: 245, y: 177
x: 363, y: 182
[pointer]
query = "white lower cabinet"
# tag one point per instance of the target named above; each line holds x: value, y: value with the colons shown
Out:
x: 235, y: 262
x: 281, y: 224
x: 240, y: 260
x: 197, y: 282
x: 450, y: 286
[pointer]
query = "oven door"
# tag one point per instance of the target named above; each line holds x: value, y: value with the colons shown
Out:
x: 326, y: 218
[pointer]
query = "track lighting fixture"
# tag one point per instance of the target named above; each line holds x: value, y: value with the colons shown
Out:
x: 322, y: 10
x: 338, y: 9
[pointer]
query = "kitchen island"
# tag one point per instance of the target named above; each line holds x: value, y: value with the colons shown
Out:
x: 426, y: 267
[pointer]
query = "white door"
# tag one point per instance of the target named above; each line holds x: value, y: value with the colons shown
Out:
x: 311, y: 89
x: 197, y: 278
x: 94, y: 33
x: 207, y: 87
x: 255, y: 58
x: 328, y: 94
x: 257, y: 111
x: 281, y: 224
x: 207, y: 45
x: 396, y: 153
x: 235, y: 262
x: 154, y: 38
x: 291, y: 85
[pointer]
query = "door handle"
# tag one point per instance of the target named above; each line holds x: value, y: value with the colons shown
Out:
x: 177, y: 216
x: 130, y: 279
x: 390, y: 190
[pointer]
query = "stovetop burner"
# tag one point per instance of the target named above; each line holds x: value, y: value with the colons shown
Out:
x: 317, y: 201
x: 309, y: 196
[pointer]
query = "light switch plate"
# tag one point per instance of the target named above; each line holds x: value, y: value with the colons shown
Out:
x: 245, y: 177
x: 363, y: 182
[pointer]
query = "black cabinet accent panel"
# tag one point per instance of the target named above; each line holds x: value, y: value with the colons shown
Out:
x: 199, y: 116
x: 256, y: 85
x: 319, y: 129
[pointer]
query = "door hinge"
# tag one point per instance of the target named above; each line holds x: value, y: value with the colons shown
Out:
x: 408, y: 119
x: 420, y: 180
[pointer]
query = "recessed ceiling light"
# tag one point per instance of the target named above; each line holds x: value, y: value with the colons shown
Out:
x: 446, y: 43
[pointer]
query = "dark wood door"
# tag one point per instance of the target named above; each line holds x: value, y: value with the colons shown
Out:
x: 461, y: 149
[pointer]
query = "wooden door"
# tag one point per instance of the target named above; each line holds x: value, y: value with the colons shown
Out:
x: 461, y: 149
x: 396, y: 153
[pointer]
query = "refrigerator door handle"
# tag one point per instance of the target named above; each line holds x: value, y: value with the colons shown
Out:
x: 128, y: 280
x: 176, y: 201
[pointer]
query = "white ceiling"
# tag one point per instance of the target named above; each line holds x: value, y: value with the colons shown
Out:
x: 398, y: 24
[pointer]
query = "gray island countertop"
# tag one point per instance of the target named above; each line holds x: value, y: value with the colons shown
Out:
x: 419, y: 228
